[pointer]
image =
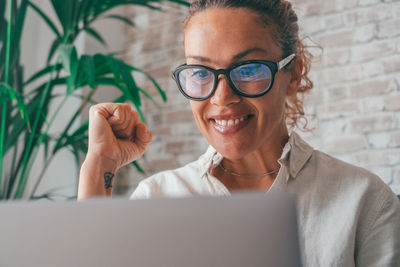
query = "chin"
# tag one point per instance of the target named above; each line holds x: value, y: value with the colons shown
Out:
x: 231, y: 152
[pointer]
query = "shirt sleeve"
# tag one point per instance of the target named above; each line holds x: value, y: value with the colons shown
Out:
x: 140, y: 192
x: 381, y: 245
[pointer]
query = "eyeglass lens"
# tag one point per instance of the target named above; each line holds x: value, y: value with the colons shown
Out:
x: 251, y: 79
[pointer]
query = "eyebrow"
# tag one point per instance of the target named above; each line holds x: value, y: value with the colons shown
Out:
x: 235, y: 58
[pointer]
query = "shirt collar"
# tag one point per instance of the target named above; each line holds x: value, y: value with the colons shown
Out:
x: 295, y: 155
x: 299, y: 155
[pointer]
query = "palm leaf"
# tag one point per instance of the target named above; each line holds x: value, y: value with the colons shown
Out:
x: 42, y: 72
x: 121, y: 18
x: 92, y: 32
x: 53, y: 49
x: 161, y: 92
x: 69, y: 59
x: 47, y: 20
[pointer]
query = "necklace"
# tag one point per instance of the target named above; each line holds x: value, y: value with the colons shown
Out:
x: 246, y: 175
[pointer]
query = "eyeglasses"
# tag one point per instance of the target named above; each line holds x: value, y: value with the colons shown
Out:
x: 251, y: 78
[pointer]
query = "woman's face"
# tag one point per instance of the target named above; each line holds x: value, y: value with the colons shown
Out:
x: 234, y: 125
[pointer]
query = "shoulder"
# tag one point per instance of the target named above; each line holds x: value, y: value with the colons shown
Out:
x: 317, y: 175
x: 344, y: 204
x: 316, y: 167
x: 335, y: 171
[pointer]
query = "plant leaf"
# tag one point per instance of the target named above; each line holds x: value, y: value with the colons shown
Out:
x: 13, y: 96
x: 137, y: 166
x: 121, y: 18
x: 46, y: 19
x: 53, y: 48
x: 92, y: 32
x: 69, y: 59
x: 42, y: 72
x: 88, y: 68
x: 161, y: 92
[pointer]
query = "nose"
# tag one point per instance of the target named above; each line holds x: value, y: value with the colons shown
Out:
x: 224, y: 95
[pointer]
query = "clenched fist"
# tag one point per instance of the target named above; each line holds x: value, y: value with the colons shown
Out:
x: 116, y: 133
x: 116, y: 138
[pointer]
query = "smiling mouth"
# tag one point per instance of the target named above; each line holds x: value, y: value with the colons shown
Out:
x: 231, y: 122
x: 231, y: 125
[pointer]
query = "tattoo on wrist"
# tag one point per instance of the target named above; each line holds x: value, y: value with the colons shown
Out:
x: 108, y: 177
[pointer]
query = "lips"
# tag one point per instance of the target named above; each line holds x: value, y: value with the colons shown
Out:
x: 228, y: 124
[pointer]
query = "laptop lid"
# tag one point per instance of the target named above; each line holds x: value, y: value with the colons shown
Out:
x: 246, y: 229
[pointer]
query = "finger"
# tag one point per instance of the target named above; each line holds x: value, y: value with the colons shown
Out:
x: 118, y: 117
x: 143, y: 136
x: 127, y: 129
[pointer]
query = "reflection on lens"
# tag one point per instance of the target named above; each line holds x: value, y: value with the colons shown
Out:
x: 252, y: 78
x: 196, y: 82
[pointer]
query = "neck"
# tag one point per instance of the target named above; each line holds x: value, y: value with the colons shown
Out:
x: 252, y: 166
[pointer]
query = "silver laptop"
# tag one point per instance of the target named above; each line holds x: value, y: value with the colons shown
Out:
x: 246, y: 229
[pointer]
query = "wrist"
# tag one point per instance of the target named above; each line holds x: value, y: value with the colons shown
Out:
x: 96, y: 177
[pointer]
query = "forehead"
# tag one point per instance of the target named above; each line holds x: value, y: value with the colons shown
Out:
x: 221, y: 33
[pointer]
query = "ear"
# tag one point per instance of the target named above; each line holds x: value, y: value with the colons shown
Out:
x: 295, y: 70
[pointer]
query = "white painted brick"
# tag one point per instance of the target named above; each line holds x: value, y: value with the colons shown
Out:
x: 372, y: 104
x: 336, y: 57
x: 389, y: 28
x: 376, y: 86
x: 377, y: 158
x: 345, y: 4
x: 372, y: 69
x: 396, y: 176
x: 379, y: 140
x: 338, y: 38
x: 337, y: 93
x: 312, y: 25
x: 314, y: 97
x: 344, y: 144
x: 333, y: 21
x: 395, y: 139
x: 365, y: 33
x: 367, y: 15
x: 392, y: 102
x: 392, y: 64
x: 374, y: 123
x: 339, y: 109
x: 368, y: 2
x: 395, y: 186
x: 335, y: 127
x: 373, y: 50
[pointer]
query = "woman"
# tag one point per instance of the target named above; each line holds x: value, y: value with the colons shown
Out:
x: 246, y: 70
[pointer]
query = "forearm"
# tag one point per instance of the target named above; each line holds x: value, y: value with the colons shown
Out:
x: 96, y: 177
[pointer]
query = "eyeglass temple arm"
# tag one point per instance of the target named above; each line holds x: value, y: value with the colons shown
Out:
x: 285, y: 61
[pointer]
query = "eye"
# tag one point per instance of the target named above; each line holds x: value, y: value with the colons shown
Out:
x: 251, y: 72
x: 201, y: 74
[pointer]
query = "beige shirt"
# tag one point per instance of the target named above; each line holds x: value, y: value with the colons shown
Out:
x: 347, y: 216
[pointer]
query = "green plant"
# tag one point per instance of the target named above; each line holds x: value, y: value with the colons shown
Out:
x: 24, y: 107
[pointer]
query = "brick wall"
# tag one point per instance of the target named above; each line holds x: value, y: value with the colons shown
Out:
x: 354, y: 107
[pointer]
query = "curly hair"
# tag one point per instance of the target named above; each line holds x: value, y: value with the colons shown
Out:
x: 280, y: 15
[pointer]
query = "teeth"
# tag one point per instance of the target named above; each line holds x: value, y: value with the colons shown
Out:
x: 229, y: 122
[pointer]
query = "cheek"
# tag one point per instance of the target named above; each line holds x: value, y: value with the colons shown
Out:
x: 198, y: 108
x: 280, y: 92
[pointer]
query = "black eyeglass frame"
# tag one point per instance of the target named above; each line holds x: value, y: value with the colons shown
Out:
x: 273, y: 66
